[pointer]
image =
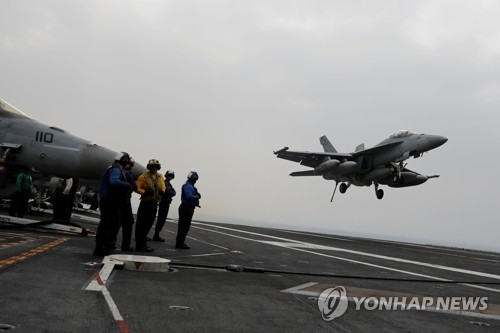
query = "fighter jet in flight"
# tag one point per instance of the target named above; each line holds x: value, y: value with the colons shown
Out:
x: 26, y: 144
x: 379, y: 165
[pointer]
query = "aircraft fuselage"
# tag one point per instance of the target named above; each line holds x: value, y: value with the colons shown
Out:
x: 380, y: 164
x: 48, y: 151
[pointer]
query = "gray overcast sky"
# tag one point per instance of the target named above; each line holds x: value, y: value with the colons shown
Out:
x: 216, y: 86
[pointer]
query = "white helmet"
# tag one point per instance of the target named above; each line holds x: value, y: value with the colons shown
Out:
x: 193, y: 174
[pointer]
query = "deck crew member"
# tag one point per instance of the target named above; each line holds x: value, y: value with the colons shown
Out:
x: 164, y: 205
x: 127, y: 215
x: 190, y: 199
x: 19, y: 203
x: 114, y: 192
x: 151, y: 187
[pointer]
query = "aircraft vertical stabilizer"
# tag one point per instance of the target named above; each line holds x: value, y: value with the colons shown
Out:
x: 327, y: 146
x: 360, y: 147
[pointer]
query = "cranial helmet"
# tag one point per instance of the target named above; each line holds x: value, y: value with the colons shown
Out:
x: 170, y: 173
x: 122, y: 158
x: 193, y: 174
x: 153, y: 164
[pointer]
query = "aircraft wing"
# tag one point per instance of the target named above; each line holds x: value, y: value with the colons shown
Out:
x: 310, y: 159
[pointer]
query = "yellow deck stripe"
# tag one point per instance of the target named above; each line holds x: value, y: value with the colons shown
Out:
x: 25, y: 255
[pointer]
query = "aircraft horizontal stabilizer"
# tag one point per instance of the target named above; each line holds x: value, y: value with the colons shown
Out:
x: 303, y: 173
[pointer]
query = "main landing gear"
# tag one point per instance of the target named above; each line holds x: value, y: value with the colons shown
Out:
x: 344, y: 186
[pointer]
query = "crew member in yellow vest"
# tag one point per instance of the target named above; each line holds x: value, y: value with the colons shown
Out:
x: 151, y: 187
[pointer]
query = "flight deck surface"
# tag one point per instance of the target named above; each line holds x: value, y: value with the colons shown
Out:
x: 241, y: 278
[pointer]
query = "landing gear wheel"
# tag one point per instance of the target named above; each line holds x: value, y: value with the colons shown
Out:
x: 343, y: 188
x: 380, y: 194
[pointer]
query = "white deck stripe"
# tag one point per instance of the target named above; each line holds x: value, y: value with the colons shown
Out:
x: 95, y: 285
x: 206, y: 255
x: 112, y: 306
x: 406, y: 261
x: 297, y: 244
x: 292, y: 244
x: 104, y: 274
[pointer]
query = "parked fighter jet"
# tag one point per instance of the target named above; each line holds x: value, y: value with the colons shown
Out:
x: 48, y: 152
x: 381, y: 164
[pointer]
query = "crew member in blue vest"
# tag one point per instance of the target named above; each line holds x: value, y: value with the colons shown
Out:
x: 127, y: 216
x: 190, y: 199
x: 114, y: 193
x: 164, y: 205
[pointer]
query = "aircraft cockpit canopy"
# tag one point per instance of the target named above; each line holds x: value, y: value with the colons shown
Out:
x: 8, y: 111
x: 401, y: 134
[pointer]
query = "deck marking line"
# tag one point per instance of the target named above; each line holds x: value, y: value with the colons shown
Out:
x: 99, y: 284
x: 295, y: 243
x: 25, y: 255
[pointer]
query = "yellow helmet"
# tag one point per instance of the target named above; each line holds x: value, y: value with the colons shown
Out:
x: 153, y: 164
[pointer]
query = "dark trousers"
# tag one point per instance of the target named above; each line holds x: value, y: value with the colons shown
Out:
x: 185, y: 216
x: 63, y: 206
x: 127, y: 223
x: 58, y: 206
x: 68, y: 207
x: 146, y: 214
x: 109, y: 224
x: 162, y: 216
x: 19, y: 204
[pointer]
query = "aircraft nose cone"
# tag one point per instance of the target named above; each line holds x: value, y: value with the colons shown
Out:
x: 96, y: 159
x: 435, y: 141
x: 138, y: 170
